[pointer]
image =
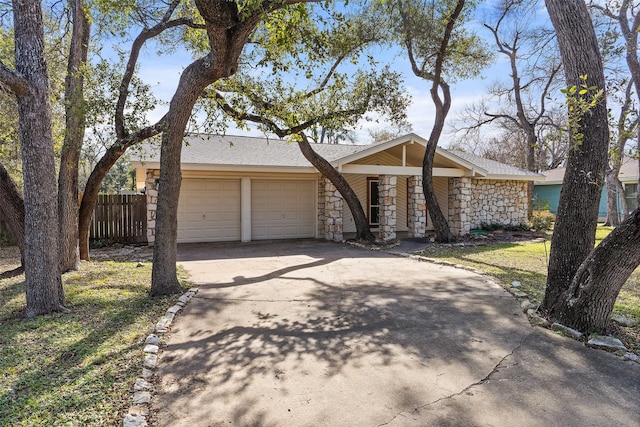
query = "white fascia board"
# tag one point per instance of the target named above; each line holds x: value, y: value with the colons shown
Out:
x: 377, y: 148
x: 545, y: 182
x: 516, y: 178
x: 398, y: 170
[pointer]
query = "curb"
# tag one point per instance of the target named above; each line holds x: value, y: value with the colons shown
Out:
x: 137, y: 414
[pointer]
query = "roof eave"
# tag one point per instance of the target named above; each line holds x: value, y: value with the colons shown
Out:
x: 229, y: 168
x: 514, y: 177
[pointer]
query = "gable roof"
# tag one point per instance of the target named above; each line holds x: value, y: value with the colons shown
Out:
x: 228, y: 152
x: 628, y: 173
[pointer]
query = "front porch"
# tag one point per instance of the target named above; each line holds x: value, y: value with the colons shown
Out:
x: 396, y: 208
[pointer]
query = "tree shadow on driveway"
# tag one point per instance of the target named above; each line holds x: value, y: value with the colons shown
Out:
x: 328, y: 336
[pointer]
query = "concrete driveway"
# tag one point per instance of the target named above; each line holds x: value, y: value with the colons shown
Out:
x: 308, y: 333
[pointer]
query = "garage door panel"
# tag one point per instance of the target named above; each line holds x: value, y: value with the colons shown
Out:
x: 209, y: 210
x: 282, y: 209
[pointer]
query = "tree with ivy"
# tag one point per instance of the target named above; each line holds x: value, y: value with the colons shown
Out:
x: 582, y: 282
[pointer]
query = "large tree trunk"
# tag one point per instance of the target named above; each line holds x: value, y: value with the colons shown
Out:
x: 90, y: 196
x: 73, y: 138
x: 42, y: 268
x: 613, y: 216
x: 228, y: 33
x: 440, y: 223
x: 12, y: 208
x: 587, y: 304
x: 576, y: 221
x: 92, y: 188
x: 363, y: 232
x: 195, y: 78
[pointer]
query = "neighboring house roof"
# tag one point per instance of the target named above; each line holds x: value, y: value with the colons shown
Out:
x: 231, y: 152
x: 628, y: 173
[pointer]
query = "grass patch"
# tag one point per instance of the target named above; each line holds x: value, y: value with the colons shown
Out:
x: 76, y: 369
x: 526, y: 262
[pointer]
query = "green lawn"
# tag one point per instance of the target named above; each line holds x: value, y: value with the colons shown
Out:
x: 76, y: 369
x: 527, y: 263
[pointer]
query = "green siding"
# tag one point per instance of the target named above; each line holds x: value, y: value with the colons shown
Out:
x: 548, y: 193
x: 551, y: 193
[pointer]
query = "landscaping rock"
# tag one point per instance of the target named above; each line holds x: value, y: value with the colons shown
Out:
x: 527, y: 305
x: 515, y: 284
x: 633, y: 357
x: 566, y: 331
x: 150, y: 348
x: 174, y: 309
x: 142, y: 385
x: 139, y: 410
x: 141, y: 397
x: 150, y: 361
x: 152, y: 339
x: 624, y: 321
x: 607, y: 342
x: 519, y: 294
x: 536, y: 320
x: 147, y: 373
x: 132, y: 420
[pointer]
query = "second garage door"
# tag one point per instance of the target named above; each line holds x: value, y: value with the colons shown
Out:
x: 282, y: 209
x: 209, y: 210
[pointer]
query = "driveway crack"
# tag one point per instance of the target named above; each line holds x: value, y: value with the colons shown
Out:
x: 470, y: 386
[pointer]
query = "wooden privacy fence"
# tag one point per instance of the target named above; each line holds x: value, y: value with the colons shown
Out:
x: 120, y: 218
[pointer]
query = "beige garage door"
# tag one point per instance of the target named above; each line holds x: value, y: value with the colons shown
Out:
x: 209, y: 210
x: 282, y: 209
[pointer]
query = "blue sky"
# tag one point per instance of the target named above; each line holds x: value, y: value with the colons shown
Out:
x: 163, y: 72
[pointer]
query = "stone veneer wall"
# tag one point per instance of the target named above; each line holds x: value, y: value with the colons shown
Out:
x: 152, y: 203
x: 387, y: 195
x: 473, y: 202
x: 333, y: 204
x: 417, y: 209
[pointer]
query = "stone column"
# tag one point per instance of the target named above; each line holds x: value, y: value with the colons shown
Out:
x: 387, y: 200
x: 151, y: 192
x: 321, y: 208
x: 333, y: 205
x: 460, y: 193
x: 417, y: 208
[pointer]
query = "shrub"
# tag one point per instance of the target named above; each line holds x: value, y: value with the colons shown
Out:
x: 542, y: 220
